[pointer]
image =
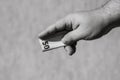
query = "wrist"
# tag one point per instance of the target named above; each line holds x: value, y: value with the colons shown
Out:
x: 108, y: 15
x: 102, y: 14
x: 111, y: 11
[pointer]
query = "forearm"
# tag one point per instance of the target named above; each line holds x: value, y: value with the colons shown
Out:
x: 111, y: 10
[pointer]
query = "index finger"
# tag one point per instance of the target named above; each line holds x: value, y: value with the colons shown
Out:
x: 58, y: 26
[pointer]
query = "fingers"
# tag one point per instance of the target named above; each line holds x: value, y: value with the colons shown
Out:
x: 58, y: 26
x: 71, y: 49
x: 73, y: 36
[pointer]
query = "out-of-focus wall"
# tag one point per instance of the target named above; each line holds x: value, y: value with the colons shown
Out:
x: 21, y: 57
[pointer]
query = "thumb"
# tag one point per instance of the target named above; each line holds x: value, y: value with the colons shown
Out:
x: 72, y: 37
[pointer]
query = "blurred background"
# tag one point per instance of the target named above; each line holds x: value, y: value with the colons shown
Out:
x: 21, y: 57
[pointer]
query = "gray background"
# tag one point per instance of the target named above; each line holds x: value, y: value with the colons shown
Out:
x: 21, y: 57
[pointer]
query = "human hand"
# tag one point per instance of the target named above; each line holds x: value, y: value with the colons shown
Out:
x: 81, y: 26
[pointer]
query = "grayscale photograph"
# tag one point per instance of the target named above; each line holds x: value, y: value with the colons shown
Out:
x: 59, y: 39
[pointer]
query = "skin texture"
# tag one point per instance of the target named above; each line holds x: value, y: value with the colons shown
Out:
x: 84, y: 25
x: 21, y: 56
x: 80, y: 26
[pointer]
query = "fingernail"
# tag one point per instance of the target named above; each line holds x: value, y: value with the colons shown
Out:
x: 67, y: 50
x: 70, y: 52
